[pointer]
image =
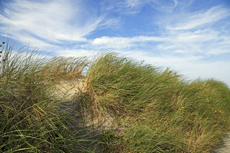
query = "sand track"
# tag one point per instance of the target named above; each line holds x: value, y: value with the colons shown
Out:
x: 89, y: 129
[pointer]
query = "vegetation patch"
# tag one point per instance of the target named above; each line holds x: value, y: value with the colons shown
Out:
x: 150, y: 109
x: 156, y: 111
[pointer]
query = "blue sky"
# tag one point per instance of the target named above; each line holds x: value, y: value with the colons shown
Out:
x: 189, y: 36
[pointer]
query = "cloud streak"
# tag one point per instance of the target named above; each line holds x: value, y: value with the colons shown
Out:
x: 53, y: 21
x: 198, y: 19
x: 184, y: 42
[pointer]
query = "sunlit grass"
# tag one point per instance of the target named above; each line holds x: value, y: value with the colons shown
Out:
x: 28, y: 105
x: 158, y: 110
x: 154, y: 109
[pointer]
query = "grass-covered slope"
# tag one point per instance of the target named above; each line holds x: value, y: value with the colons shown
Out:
x: 30, y: 118
x: 159, y: 110
x: 155, y: 110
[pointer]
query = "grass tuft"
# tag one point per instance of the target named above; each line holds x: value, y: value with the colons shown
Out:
x: 28, y: 105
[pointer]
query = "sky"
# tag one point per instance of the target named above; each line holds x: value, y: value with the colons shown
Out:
x: 191, y: 37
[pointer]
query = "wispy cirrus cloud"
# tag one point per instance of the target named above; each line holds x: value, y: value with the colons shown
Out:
x: 70, y: 52
x: 51, y: 21
x: 132, y: 3
x: 199, y: 19
x: 164, y: 5
x: 131, y: 7
x: 191, y: 42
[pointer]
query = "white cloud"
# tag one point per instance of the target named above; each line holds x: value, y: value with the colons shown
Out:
x: 128, y: 7
x: 164, y: 5
x: 205, y: 70
x: 166, y: 60
x: 134, y: 6
x: 175, y: 2
x: 44, y: 20
x: 132, y: 3
x: 191, y: 37
x: 185, y: 21
x: 122, y: 42
x: 51, y: 21
x: 218, y: 50
x: 76, y: 52
x: 174, y: 42
x: 183, y: 37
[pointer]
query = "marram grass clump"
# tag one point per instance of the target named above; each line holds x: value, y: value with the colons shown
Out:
x: 154, y: 110
x: 158, y: 111
x: 30, y: 118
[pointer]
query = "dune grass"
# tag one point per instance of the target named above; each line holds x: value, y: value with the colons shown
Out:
x: 156, y: 110
x: 29, y: 111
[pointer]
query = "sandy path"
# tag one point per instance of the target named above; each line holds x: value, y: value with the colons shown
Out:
x: 70, y: 90
x: 88, y: 137
x: 88, y: 129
